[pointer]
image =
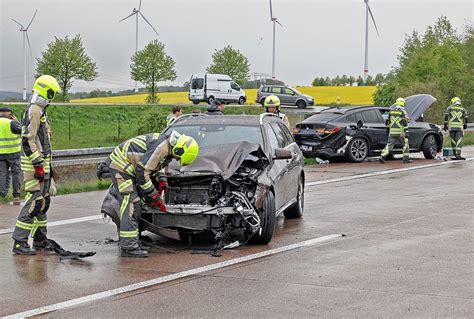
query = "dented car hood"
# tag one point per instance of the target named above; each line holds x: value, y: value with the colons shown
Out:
x: 417, y: 104
x: 223, y: 159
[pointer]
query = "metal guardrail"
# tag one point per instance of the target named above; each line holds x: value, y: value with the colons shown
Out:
x: 81, y: 156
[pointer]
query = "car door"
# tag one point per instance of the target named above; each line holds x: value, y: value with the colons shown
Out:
x: 276, y: 90
x: 287, y: 141
x: 374, y: 128
x: 278, y: 168
x: 287, y: 96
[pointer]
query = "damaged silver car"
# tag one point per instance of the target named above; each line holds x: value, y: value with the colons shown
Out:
x: 249, y: 171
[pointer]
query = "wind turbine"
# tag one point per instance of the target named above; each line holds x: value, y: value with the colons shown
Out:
x: 274, y: 21
x: 366, y: 59
x: 27, y: 39
x: 136, y: 13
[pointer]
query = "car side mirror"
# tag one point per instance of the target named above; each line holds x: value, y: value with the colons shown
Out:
x: 281, y: 153
x: 359, y: 124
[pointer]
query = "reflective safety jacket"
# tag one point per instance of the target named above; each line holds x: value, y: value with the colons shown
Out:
x: 36, y: 142
x: 397, y: 121
x: 456, y: 118
x: 140, y: 157
x: 10, y: 139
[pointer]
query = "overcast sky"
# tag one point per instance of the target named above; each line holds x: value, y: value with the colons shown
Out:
x: 319, y: 37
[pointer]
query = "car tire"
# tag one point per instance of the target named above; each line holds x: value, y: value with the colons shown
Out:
x: 241, y: 100
x: 210, y: 99
x: 429, y: 147
x: 262, y: 101
x: 195, y: 102
x: 267, y: 221
x: 301, y: 104
x: 357, y: 150
x: 296, y: 211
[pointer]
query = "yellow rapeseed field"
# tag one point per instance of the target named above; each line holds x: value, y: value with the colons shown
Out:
x: 322, y: 95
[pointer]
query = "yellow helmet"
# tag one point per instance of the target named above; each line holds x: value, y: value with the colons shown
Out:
x: 272, y: 100
x: 46, y: 86
x: 400, y: 102
x: 186, y: 148
x: 455, y: 101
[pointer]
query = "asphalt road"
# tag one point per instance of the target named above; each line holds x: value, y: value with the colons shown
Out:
x: 407, y: 251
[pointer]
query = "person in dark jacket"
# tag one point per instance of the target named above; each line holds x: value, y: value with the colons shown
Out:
x: 216, y: 108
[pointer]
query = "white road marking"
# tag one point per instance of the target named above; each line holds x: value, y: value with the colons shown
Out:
x: 391, y: 171
x: 60, y: 222
x: 160, y: 280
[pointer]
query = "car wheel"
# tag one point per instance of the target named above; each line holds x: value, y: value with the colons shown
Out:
x: 301, y: 104
x: 262, y: 101
x: 195, y: 102
x: 357, y: 150
x: 267, y: 221
x: 210, y: 99
x: 241, y: 100
x: 430, y: 147
x: 296, y: 211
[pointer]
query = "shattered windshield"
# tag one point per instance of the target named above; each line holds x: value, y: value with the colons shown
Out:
x: 215, y: 134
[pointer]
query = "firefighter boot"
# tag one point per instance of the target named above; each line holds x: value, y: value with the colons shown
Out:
x: 143, y: 245
x: 20, y: 248
x: 458, y: 158
x: 134, y: 253
x: 407, y: 161
x: 381, y: 159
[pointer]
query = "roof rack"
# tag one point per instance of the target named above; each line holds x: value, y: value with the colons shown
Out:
x: 266, y: 114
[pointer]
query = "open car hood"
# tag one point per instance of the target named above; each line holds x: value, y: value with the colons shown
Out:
x: 223, y: 159
x: 417, y: 104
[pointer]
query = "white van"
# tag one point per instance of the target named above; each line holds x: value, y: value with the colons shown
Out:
x: 207, y: 87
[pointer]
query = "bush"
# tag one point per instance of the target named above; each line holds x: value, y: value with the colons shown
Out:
x: 153, y: 121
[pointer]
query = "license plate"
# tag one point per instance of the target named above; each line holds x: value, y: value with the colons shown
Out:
x: 305, y: 148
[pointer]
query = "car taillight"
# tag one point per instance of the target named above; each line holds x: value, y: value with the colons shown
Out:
x: 330, y: 131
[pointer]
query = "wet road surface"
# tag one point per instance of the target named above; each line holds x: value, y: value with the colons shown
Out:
x: 407, y: 251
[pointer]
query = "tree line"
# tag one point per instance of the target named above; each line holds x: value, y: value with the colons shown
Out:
x: 345, y: 80
x: 439, y: 62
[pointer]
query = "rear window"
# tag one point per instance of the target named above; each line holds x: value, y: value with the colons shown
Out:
x: 265, y: 89
x: 325, y: 116
x: 197, y: 84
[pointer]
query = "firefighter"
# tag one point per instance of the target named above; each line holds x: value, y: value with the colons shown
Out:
x: 397, y: 126
x: 10, y: 151
x: 455, y: 120
x: 36, y: 167
x: 131, y: 165
x: 272, y: 105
